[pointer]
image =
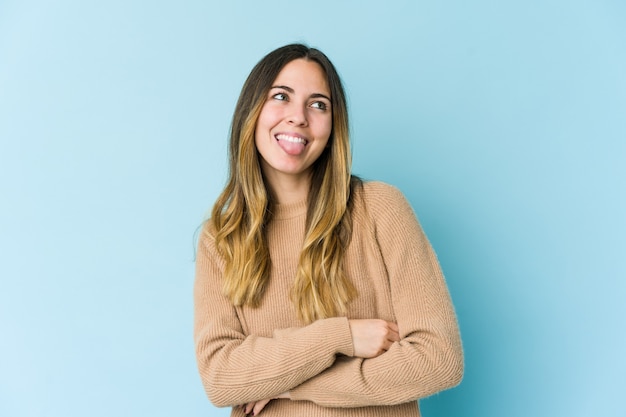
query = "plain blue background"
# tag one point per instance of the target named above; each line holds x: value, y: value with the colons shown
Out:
x: 504, y: 123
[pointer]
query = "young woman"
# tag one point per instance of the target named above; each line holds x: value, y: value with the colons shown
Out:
x: 316, y: 294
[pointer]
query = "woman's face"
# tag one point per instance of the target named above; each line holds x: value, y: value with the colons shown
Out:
x: 295, y: 122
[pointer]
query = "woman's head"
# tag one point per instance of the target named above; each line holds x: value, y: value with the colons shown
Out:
x: 245, y: 164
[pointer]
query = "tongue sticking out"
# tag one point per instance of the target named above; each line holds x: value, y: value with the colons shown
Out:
x: 291, y: 148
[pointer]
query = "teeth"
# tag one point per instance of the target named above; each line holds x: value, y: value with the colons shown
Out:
x: 293, y: 139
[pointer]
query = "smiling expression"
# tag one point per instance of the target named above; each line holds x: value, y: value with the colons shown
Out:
x: 295, y: 122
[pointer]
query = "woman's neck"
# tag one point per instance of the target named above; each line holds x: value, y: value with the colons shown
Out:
x: 288, y: 189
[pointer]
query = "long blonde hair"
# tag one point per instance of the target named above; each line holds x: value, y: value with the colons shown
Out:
x: 321, y: 288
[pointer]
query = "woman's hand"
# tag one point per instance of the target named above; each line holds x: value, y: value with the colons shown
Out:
x: 372, y: 337
x: 255, y: 407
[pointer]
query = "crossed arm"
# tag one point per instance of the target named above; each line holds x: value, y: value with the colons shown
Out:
x: 370, y: 338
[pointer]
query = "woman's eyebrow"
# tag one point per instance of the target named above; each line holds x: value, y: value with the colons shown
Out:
x: 320, y: 95
x: 284, y: 87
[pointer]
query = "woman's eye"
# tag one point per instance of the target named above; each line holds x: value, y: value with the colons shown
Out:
x: 319, y: 105
x: 280, y: 96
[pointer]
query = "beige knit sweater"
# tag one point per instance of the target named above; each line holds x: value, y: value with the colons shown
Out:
x: 247, y: 354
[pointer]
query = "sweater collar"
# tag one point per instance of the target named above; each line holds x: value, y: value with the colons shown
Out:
x: 289, y: 211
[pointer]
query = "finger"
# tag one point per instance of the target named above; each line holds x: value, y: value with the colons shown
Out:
x: 248, y: 408
x: 393, y: 336
x: 389, y: 343
x: 260, y: 405
x: 395, y: 329
x: 391, y: 339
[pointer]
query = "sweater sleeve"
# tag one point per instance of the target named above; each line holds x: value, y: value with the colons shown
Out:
x: 429, y: 356
x: 237, y: 368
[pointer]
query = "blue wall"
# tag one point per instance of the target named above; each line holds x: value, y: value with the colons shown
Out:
x: 503, y: 122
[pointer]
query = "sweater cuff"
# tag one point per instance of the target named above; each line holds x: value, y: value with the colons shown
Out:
x: 339, y: 330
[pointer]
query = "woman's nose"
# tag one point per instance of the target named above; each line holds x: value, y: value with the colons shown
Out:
x: 297, y: 116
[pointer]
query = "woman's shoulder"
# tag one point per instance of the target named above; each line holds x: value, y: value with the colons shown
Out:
x: 377, y: 204
x: 380, y: 196
x: 379, y: 188
x: 386, y: 212
x: 206, y: 234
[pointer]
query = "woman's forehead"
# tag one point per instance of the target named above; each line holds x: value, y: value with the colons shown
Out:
x: 303, y: 75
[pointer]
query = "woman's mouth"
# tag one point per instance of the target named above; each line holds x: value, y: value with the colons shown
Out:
x: 291, y: 144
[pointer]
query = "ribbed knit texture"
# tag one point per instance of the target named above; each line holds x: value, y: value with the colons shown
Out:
x: 247, y: 354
